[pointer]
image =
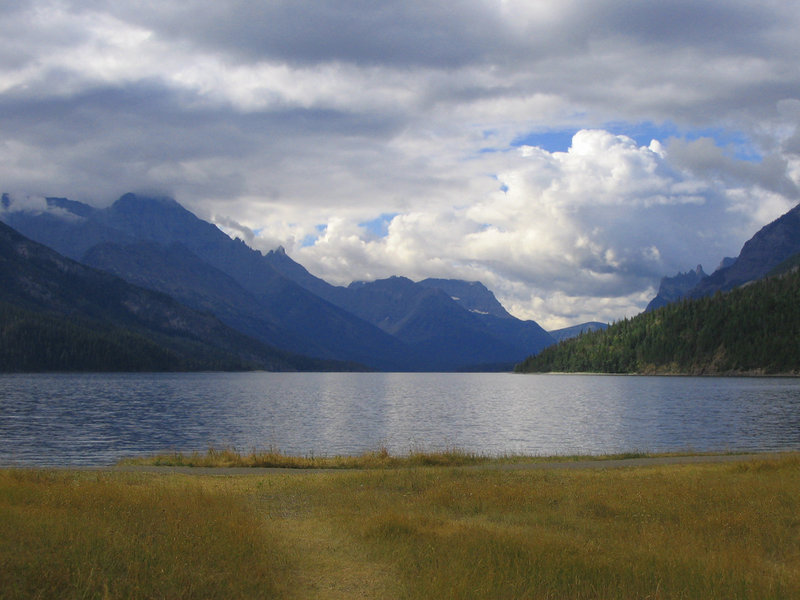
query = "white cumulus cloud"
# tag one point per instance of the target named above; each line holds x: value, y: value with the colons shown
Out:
x: 295, y: 123
x: 595, y: 227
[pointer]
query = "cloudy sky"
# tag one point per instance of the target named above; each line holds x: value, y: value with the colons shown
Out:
x: 567, y: 153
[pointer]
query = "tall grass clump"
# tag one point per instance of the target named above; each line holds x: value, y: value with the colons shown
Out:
x: 374, y: 459
x: 86, y: 535
x: 274, y: 458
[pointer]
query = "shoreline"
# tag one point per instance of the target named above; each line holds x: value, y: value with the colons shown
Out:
x: 546, y: 463
x: 731, y: 375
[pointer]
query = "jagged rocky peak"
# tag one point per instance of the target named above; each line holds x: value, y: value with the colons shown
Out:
x: 676, y: 287
x: 388, y: 324
x: 279, y: 255
x: 766, y: 250
x: 769, y: 247
x: 472, y: 295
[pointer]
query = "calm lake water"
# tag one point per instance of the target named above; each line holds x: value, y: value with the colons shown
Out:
x: 79, y: 419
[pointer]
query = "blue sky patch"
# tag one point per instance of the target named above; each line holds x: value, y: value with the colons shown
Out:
x: 735, y: 143
x: 552, y: 141
x: 312, y: 238
x: 379, y: 226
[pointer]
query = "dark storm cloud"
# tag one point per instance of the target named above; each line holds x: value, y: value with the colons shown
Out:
x: 455, y: 33
x: 139, y: 121
x: 725, y: 25
x: 395, y: 32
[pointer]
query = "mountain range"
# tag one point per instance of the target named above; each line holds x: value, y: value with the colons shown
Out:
x: 59, y: 315
x: 751, y: 330
x: 285, y: 317
x: 742, y: 319
x: 390, y: 324
x: 767, y: 249
x: 567, y: 333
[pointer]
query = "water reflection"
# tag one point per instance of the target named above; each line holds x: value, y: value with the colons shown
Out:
x: 94, y: 419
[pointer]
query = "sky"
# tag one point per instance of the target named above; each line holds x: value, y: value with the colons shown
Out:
x: 568, y: 153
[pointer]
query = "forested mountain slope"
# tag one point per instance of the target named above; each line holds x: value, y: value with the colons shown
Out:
x: 390, y: 325
x: 754, y: 329
x: 59, y: 315
x: 158, y: 244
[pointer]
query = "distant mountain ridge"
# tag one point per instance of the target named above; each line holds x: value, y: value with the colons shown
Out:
x: 392, y: 324
x: 280, y: 313
x: 56, y: 314
x: 472, y: 295
x: 742, y: 319
x: 676, y: 288
x: 436, y: 317
x: 751, y: 330
x: 568, y: 333
x: 769, y: 247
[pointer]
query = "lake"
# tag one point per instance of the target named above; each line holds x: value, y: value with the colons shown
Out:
x: 94, y: 419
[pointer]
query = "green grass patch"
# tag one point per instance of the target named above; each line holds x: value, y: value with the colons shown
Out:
x: 705, y: 530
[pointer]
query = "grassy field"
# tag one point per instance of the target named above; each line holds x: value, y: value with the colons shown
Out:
x: 681, y: 531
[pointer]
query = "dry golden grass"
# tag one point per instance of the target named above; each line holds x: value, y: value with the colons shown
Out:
x: 92, y: 535
x: 377, y: 459
x: 680, y: 531
x: 716, y: 531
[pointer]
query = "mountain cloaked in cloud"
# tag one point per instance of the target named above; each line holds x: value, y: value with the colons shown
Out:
x: 507, y: 142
